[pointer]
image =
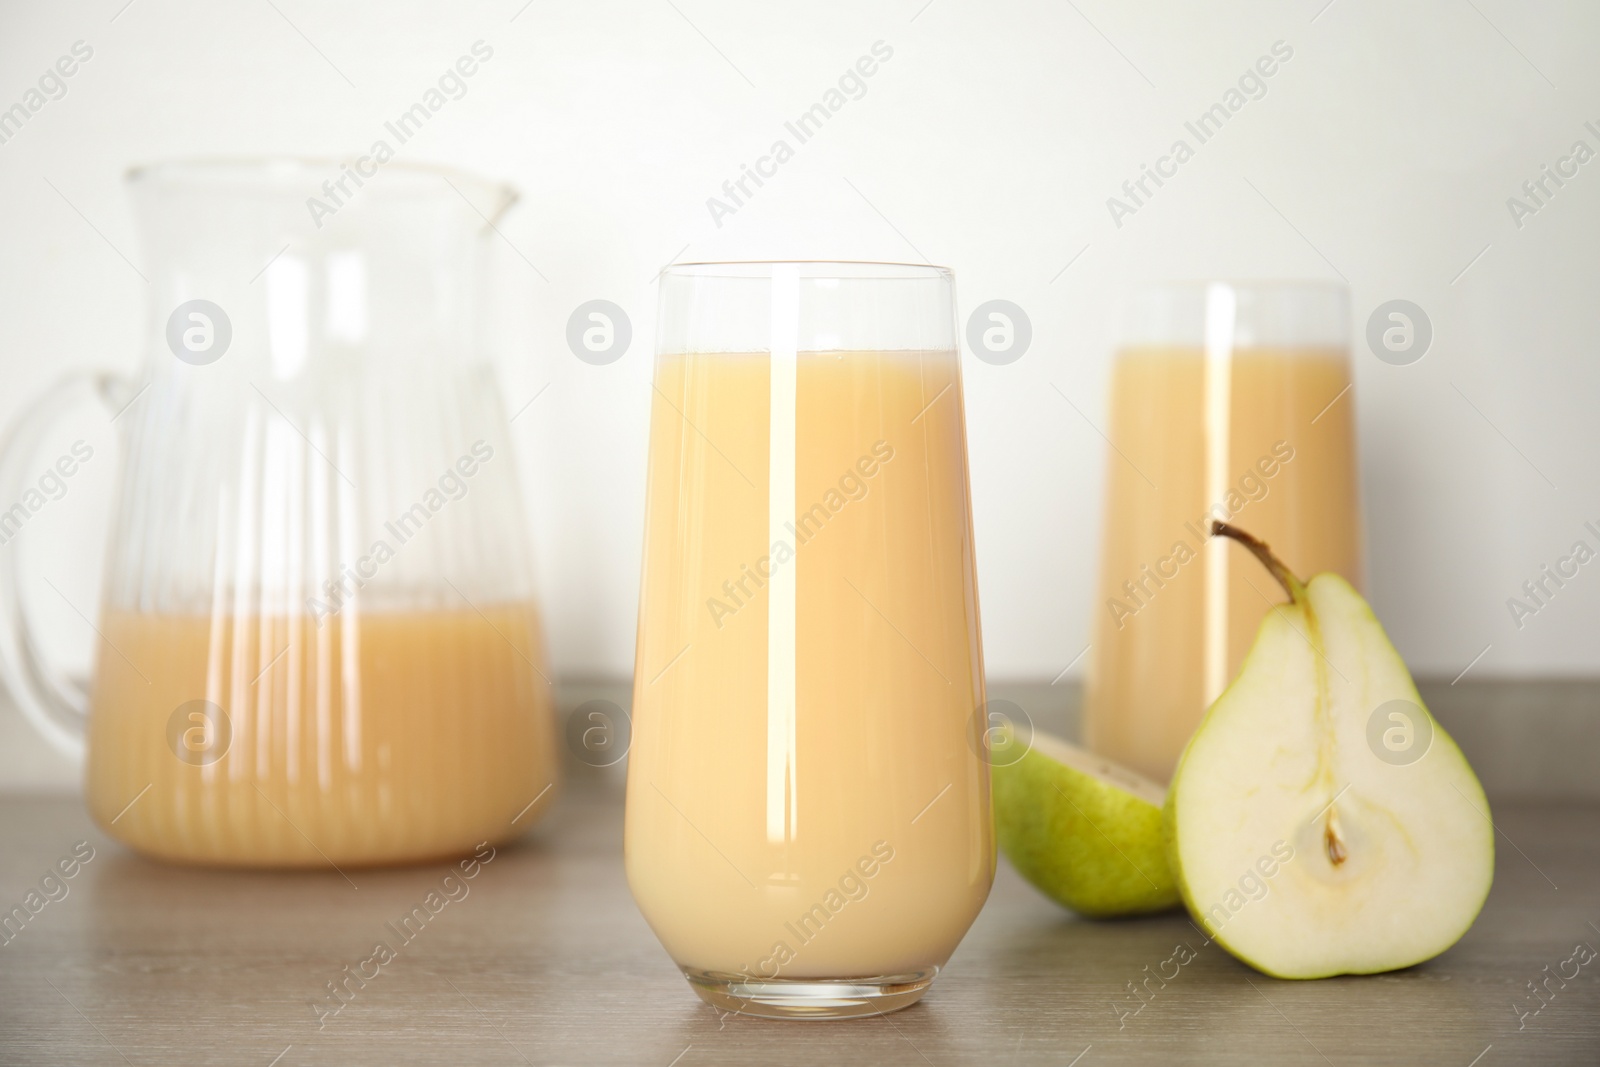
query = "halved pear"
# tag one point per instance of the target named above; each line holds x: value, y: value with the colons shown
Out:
x: 1320, y: 821
x: 1083, y: 830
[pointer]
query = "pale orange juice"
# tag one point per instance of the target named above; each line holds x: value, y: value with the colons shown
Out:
x: 805, y: 797
x: 1263, y: 438
x: 378, y: 737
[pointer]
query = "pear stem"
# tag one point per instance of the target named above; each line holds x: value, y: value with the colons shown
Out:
x: 1261, y: 551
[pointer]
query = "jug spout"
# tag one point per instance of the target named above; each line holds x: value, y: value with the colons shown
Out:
x: 297, y: 261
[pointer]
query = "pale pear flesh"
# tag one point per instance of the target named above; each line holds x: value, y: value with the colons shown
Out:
x: 1297, y: 847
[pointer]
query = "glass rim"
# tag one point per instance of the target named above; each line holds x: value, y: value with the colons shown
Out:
x: 1241, y: 284
x: 277, y: 172
x: 1311, y: 313
x: 840, y: 269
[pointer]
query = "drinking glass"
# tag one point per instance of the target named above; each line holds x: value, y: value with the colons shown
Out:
x: 317, y: 640
x: 1232, y: 402
x: 808, y: 828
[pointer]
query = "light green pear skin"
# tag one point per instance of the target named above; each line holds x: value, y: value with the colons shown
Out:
x: 1084, y: 843
x: 1296, y: 614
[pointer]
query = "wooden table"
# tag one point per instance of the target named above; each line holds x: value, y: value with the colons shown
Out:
x: 547, y: 961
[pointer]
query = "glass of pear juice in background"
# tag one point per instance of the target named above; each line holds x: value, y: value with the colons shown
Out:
x: 318, y: 638
x: 1230, y: 402
x: 808, y: 828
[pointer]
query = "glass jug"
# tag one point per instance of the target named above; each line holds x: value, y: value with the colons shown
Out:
x: 317, y: 641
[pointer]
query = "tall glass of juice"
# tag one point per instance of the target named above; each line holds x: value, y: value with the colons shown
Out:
x: 1229, y: 402
x: 808, y: 822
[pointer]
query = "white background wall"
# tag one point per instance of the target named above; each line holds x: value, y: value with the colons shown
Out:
x: 1384, y: 151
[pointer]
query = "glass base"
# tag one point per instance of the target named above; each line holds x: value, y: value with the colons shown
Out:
x: 809, y: 998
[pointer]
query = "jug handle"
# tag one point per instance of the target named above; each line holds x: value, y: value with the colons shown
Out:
x: 57, y: 706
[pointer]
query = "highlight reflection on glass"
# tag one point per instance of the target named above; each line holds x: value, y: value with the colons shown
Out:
x: 808, y: 825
